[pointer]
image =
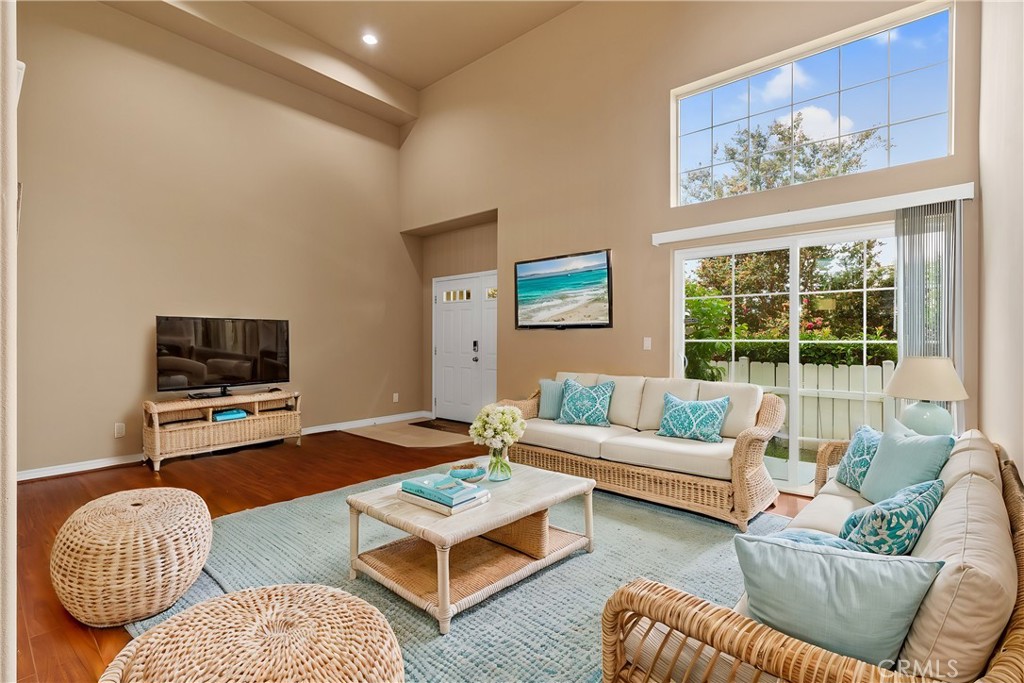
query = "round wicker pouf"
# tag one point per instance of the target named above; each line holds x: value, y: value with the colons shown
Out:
x: 292, y: 632
x: 130, y: 554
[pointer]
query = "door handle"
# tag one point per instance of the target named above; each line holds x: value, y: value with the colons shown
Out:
x: 476, y: 359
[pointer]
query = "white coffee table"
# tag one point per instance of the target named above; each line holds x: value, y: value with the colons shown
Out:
x: 449, y: 564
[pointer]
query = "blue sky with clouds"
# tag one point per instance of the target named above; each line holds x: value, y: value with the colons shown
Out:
x: 558, y: 265
x: 896, y: 81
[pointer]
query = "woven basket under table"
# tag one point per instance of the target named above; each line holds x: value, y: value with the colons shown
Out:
x: 131, y: 554
x: 295, y: 632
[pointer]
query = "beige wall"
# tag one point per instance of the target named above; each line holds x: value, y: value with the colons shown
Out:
x: 151, y: 162
x: 164, y: 178
x: 566, y: 131
x: 456, y: 252
x: 1001, y: 151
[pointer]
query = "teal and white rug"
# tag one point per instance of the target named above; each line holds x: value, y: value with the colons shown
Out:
x: 546, y: 628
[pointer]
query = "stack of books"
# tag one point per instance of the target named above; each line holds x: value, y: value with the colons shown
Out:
x: 442, y: 493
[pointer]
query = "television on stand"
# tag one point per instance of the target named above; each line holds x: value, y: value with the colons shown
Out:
x: 195, y: 354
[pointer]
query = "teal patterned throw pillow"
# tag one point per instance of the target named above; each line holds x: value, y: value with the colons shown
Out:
x: 585, y: 405
x: 892, y: 526
x: 815, y: 537
x: 858, y: 457
x: 700, y: 420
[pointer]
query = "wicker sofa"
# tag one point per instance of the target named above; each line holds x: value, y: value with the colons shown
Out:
x: 970, y: 626
x: 728, y: 481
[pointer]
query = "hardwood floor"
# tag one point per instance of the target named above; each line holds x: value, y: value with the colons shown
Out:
x: 53, y: 647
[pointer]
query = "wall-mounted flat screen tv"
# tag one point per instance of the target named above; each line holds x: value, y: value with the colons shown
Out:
x: 560, y: 292
x: 219, y: 353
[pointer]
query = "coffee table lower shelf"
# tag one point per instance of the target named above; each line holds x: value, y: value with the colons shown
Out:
x: 476, y: 569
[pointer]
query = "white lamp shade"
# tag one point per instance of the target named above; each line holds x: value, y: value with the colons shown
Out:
x: 926, y: 378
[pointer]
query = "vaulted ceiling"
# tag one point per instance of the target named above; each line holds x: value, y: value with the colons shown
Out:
x: 319, y: 45
x: 420, y: 42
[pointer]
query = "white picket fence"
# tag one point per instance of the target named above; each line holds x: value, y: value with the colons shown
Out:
x: 834, y: 399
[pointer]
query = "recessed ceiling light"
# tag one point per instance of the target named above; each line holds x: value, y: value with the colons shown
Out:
x: 369, y: 39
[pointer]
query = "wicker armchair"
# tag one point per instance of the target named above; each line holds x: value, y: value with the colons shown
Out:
x: 829, y: 455
x: 652, y: 632
x: 529, y: 407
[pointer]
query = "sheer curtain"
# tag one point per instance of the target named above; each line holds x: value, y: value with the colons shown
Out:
x: 929, y: 254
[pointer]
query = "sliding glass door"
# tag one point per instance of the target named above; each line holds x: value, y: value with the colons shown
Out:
x: 811, y: 319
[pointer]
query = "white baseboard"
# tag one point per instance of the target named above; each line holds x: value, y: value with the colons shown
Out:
x: 83, y: 466
x: 101, y: 463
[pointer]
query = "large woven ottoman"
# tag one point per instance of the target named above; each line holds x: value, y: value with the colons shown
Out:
x: 130, y: 555
x: 293, y: 632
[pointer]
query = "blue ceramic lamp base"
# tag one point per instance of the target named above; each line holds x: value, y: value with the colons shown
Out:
x: 927, y: 418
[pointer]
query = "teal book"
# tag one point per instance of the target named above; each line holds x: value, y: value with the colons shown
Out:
x: 233, y: 414
x: 441, y: 488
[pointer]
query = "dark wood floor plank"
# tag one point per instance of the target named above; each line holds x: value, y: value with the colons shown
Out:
x: 109, y: 642
x: 58, y: 648
x: 42, y: 610
x: 26, y: 666
x: 790, y: 505
x: 70, y: 655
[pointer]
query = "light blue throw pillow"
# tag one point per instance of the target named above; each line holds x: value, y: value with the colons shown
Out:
x: 893, y: 526
x: 854, y: 603
x: 904, y: 458
x: 585, y: 405
x: 700, y: 420
x: 857, y: 459
x: 550, y: 399
x: 815, y: 537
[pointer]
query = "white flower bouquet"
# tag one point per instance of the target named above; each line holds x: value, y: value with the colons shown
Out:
x: 498, y: 427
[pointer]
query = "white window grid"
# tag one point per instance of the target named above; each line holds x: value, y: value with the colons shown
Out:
x: 794, y: 390
x: 788, y: 57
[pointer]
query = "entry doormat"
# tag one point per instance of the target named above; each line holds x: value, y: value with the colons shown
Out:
x: 441, y: 425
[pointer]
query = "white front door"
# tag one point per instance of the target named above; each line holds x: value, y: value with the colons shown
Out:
x: 465, y: 345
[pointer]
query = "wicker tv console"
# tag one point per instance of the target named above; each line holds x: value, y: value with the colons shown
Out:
x: 187, y: 427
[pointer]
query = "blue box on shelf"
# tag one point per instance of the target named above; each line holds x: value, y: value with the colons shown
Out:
x: 233, y: 414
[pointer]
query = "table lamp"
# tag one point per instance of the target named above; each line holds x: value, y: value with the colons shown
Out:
x: 927, y: 379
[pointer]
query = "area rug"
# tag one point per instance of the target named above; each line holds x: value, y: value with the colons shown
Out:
x: 546, y: 628
x: 410, y: 436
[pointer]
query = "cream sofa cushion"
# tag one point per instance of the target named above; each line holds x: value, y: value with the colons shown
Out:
x: 647, y: 449
x: 625, y: 405
x: 828, y: 511
x: 969, y: 605
x: 744, y: 402
x: 834, y: 488
x: 743, y: 606
x: 652, y: 407
x: 579, y: 439
x: 972, y: 453
x: 587, y: 379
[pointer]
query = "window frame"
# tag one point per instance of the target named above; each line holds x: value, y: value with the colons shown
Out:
x: 809, y: 49
x: 794, y: 242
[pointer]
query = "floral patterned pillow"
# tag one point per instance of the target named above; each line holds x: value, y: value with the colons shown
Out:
x: 893, y: 526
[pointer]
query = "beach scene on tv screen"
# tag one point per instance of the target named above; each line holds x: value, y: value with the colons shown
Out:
x: 571, y: 290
